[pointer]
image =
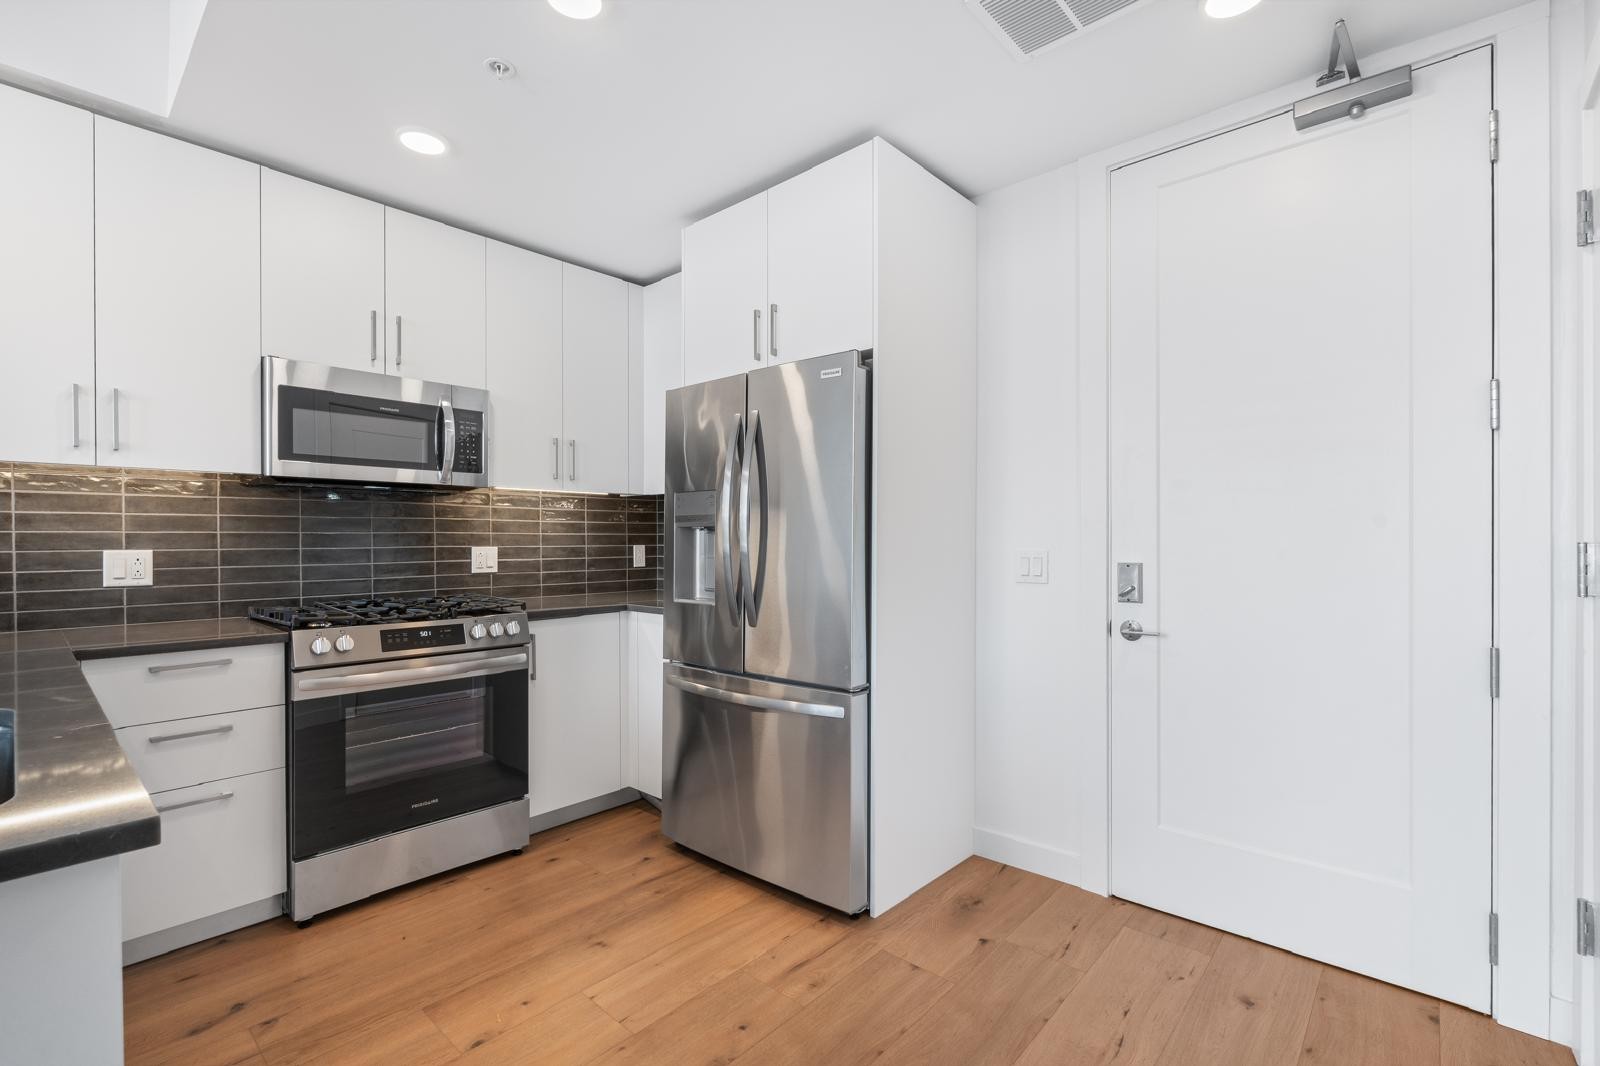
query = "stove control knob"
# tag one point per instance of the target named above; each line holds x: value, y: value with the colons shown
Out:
x: 320, y: 646
x: 345, y: 642
x: 478, y: 631
x: 513, y: 628
x: 496, y: 629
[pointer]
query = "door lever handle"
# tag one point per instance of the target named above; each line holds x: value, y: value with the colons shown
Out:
x: 1133, y: 631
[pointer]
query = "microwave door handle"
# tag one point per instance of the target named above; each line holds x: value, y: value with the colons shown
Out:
x: 447, y: 464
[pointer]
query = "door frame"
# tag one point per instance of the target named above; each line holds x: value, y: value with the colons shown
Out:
x: 1578, y: 127
x: 1526, y: 489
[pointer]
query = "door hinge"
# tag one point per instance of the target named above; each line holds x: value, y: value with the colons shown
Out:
x: 1494, y: 403
x: 1585, y: 218
x: 1494, y: 939
x: 1585, y: 927
x: 1494, y: 673
x: 1586, y: 574
x: 1494, y: 136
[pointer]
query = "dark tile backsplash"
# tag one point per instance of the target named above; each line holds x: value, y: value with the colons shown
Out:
x: 222, y: 545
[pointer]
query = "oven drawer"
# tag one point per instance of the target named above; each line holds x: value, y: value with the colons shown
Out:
x: 222, y: 846
x: 187, y: 751
x: 139, y: 689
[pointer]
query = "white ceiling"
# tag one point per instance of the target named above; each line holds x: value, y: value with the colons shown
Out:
x: 619, y: 130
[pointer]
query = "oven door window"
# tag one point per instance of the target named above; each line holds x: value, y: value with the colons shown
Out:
x: 371, y: 763
x: 317, y: 426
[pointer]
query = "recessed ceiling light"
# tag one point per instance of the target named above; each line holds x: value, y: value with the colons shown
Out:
x: 422, y: 142
x: 1226, y: 9
x: 577, y: 9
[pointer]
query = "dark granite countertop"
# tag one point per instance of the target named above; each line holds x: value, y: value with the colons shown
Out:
x: 77, y: 796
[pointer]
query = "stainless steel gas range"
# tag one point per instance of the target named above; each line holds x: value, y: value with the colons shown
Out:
x: 408, y: 741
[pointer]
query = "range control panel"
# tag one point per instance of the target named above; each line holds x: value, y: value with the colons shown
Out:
x: 332, y: 645
x: 434, y: 636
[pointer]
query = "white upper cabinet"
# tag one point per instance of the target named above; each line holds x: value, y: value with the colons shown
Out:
x: 178, y: 303
x: 47, y: 278
x: 725, y: 292
x: 524, y: 374
x: 435, y: 300
x: 594, y: 381
x: 819, y: 259
x: 321, y: 274
x: 658, y: 369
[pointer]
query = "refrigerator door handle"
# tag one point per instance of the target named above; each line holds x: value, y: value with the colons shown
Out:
x: 759, y: 703
x: 746, y: 578
x: 725, y: 519
x: 758, y: 459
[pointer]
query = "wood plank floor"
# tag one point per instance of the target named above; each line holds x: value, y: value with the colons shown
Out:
x: 606, y: 944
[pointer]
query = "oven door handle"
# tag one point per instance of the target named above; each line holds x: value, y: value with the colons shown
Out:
x: 328, y: 683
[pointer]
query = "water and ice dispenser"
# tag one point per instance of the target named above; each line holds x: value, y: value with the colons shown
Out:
x: 694, y: 549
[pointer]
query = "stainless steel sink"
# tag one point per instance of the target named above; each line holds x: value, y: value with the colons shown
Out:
x: 8, y: 754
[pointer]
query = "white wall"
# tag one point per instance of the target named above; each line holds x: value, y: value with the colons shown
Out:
x: 1027, y: 328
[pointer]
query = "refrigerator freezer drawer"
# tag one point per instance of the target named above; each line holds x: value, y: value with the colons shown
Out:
x: 770, y: 779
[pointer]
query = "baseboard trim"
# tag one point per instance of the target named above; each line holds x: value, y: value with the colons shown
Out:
x: 1562, y: 1020
x: 181, y: 936
x: 1028, y: 855
x: 582, y: 809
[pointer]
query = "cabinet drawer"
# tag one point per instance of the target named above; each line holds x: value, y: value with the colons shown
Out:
x: 187, y: 751
x: 222, y: 846
x: 140, y: 689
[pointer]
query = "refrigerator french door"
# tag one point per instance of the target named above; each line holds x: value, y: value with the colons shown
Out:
x: 766, y: 700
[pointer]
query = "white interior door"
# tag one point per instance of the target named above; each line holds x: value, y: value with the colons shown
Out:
x: 1301, y: 460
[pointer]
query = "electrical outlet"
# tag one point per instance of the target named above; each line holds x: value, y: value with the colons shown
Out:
x: 485, y: 560
x: 638, y: 555
x: 122, y: 568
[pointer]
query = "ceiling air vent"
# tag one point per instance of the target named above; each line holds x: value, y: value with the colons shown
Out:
x: 1028, y: 27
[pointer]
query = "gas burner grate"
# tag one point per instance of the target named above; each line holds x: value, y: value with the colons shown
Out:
x: 367, y: 611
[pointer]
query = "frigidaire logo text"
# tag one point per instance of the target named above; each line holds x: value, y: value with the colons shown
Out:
x: 425, y: 803
x: 390, y: 410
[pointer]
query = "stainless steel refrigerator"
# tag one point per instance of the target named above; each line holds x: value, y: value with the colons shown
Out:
x: 766, y: 699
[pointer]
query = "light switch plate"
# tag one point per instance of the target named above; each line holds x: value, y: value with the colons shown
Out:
x: 1033, y: 568
x: 485, y: 560
x: 638, y: 555
x: 122, y: 568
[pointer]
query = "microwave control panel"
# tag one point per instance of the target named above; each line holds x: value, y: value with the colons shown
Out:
x: 469, y: 442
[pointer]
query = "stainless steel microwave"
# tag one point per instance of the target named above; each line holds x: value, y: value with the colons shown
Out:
x: 333, y: 424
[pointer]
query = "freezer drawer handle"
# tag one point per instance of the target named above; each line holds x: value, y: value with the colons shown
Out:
x: 759, y: 703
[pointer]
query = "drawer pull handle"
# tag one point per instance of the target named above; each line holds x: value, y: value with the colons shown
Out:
x: 165, y: 667
x: 218, y: 798
x: 217, y: 731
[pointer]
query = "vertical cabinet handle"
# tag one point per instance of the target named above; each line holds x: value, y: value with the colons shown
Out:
x: 533, y: 656
x: 755, y: 335
x: 572, y: 459
x: 374, y: 329
x: 77, y: 439
x: 399, y: 348
x: 772, y: 332
x: 116, y: 420
x: 555, y: 458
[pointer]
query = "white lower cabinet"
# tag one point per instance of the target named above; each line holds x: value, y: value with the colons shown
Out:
x: 646, y: 687
x: 204, y: 730
x: 222, y: 847
x: 574, y: 711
